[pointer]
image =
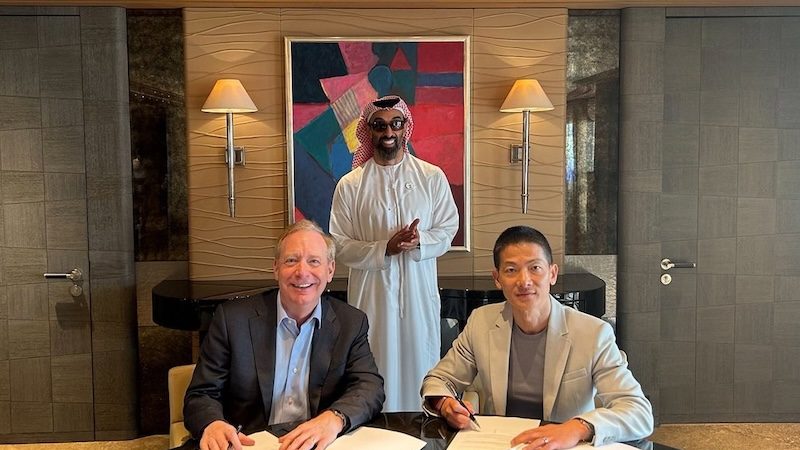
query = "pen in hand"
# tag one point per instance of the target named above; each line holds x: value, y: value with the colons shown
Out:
x: 238, y: 430
x: 471, y: 416
x: 461, y: 402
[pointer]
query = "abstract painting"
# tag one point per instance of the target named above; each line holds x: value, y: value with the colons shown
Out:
x: 328, y: 82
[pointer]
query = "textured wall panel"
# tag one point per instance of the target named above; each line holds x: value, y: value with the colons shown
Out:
x: 508, y: 45
x: 248, y: 44
x: 243, y: 44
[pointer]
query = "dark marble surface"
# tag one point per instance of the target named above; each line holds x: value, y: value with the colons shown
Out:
x: 159, y: 350
x: 435, y: 432
x: 592, y: 150
x: 158, y: 164
x: 158, y: 134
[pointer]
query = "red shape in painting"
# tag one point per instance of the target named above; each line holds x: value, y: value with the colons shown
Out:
x: 439, y: 137
x: 400, y: 61
x: 435, y: 120
x: 445, y: 151
x: 440, y: 57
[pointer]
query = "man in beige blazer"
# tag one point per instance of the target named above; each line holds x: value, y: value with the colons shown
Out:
x: 530, y: 356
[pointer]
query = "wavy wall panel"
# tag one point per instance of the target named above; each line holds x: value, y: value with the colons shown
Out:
x: 509, y: 44
x: 244, y: 44
x: 248, y: 44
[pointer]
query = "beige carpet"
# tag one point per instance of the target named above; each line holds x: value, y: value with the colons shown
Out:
x: 156, y: 442
x: 730, y: 436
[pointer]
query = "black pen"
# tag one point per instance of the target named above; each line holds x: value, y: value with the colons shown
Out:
x: 460, y: 402
x: 471, y: 416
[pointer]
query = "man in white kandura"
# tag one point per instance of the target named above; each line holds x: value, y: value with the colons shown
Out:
x: 392, y: 216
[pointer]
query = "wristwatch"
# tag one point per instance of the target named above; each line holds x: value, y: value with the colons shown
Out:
x: 339, y: 414
x: 588, y: 426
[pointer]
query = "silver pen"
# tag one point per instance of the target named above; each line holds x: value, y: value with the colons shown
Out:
x: 238, y: 430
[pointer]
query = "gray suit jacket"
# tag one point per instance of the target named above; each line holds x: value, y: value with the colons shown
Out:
x: 235, y: 372
x: 582, y: 361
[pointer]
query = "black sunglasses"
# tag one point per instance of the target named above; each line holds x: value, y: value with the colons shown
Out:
x: 380, y: 125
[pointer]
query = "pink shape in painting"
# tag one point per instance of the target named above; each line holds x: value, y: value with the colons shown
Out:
x: 303, y: 113
x: 358, y: 56
x: 298, y: 215
x: 335, y: 87
x: 364, y: 91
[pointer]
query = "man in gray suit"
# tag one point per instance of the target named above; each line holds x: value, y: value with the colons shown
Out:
x: 532, y: 357
x: 290, y: 354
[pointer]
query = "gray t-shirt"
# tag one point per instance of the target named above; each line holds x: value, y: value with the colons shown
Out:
x: 526, y: 374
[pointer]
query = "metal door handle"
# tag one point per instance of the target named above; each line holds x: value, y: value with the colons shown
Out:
x: 73, y: 275
x: 666, y: 264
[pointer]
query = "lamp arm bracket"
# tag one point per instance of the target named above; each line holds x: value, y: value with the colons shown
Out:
x: 238, y: 156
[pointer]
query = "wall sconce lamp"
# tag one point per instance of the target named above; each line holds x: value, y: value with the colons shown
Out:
x: 229, y: 96
x: 525, y: 96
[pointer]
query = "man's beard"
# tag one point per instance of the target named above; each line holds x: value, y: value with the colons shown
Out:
x: 387, y: 153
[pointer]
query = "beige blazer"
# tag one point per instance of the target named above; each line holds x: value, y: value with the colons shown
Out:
x: 582, y: 362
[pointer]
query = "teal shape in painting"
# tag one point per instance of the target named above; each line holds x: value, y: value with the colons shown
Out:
x: 405, y: 85
x: 318, y: 136
x: 380, y: 77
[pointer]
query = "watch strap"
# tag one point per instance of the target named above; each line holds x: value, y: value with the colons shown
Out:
x: 341, y: 415
x: 588, y: 426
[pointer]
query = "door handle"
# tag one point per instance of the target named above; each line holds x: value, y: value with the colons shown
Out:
x: 667, y: 264
x: 73, y: 275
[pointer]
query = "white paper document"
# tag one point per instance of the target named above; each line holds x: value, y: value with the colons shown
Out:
x: 363, y: 438
x: 497, y: 432
x: 614, y: 446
